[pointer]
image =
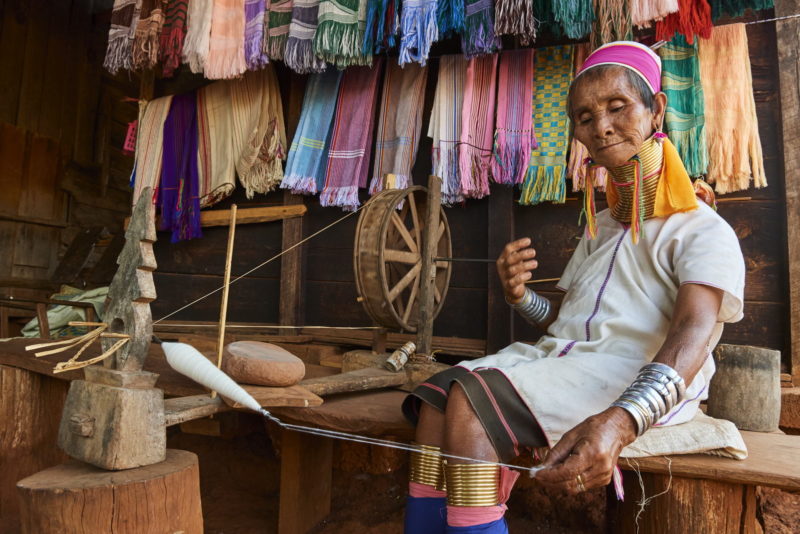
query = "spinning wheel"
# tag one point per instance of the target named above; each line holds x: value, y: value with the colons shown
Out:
x: 387, y: 257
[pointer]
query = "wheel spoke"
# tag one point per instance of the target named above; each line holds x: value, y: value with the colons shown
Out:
x: 411, y: 299
x: 437, y: 296
x: 400, y: 256
x: 415, y: 219
x: 401, y: 227
x: 403, y: 283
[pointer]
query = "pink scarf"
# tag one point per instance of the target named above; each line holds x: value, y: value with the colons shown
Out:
x: 226, y: 48
x: 514, y: 135
x: 477, y: 119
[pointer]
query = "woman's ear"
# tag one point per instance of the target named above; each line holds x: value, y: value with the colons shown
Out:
x: 660, y: 109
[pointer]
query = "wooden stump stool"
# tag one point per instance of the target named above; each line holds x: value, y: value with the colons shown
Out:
x: 76, y: 497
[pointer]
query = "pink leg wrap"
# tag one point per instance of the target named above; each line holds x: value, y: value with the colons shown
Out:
x: 470, y: 516
x: 425, y: 491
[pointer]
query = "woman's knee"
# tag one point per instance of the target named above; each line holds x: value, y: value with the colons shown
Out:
x: 431, y: 426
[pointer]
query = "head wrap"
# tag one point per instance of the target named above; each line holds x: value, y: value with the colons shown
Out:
x: 631, y: 55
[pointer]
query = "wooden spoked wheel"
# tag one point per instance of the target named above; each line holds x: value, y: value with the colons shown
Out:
x: 387, y: 257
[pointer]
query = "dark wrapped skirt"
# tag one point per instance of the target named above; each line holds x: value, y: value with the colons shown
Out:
x: 508, y: 422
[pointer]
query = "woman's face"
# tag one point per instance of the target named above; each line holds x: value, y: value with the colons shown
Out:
x: 609, y: 117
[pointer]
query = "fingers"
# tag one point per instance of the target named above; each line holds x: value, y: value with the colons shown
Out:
x: 514, y: 267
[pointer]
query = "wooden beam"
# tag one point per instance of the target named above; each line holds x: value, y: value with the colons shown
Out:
x: 789, y: 69
x: 306, y: 474
x: 500, y: 326
x: 210, y: 218
x: 292, y: 297
x: 427, y: 279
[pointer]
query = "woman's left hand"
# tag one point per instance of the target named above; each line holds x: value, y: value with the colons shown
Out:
x: 589, y: 451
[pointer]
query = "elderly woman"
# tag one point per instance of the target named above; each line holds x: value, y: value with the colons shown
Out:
x: 647, y: 292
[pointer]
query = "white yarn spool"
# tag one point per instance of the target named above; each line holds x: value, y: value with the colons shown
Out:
x: 188, y: 361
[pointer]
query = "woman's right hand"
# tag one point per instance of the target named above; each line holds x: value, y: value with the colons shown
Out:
x: 515, y: 266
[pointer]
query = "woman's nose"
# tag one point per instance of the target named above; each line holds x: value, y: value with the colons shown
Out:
x: 603, y: 126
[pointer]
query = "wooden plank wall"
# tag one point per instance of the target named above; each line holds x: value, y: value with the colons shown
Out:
x: 54, y: 99
x: 330, y: 293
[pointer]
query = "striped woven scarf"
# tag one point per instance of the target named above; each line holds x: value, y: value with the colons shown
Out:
x: 612, y: 22
x: 546, y: 175
x: 226, y: 44
x: 418, y: 30
x: 575, y: 17
x: 254, y: 13
x: 734, y: 146
x: 680, y: 80
x: 381, y: 27
x: 399, y: 125
x: 515, y: 17
x: 514, y: 136
x: 308, y: 155
x: 172, y: 36
x: 445, y: 125
x: 280, y: 18
x: 299, y: 55
x: 644, y: 12
x: 340, y: 32
x: 348, y: 158
x: 479, y: 37
x: 692, y: 18
x: 195, y: 47
x: 119, y: 54
x: 477, y: 120
x: 179, y: 196
x: 149, y: 145
x: 450, y: 17
x: 147, y: 35
x: 216, y: 166
x: 258, y: 133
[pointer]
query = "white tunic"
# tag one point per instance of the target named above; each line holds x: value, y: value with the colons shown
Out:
x: 615, y: 315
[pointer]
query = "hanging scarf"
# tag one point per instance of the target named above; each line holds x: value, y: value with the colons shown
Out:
x: 119, y: 53
x: 348, y: 158
x: 172, y: 36
x: 308, y: 156
x: 450, y: 17
x: 179, y: 198
x: 734, y: 146
x: 226, y: 46
x: 149, y: 145
x: 612, y: 22
x: 736, y: 8
x: 299, y: 55
x: 478, y: 37
x: 280, y: 18
x: 643, y: 12
x: 692, y: 18
x: 418, y: 30
x: 147, y: 35
x: 445, y: 125
x: 685, y: 116
x: 575, y: 17
x: 515, y: 17
x: 382, y: 26
x: 254, y: 12
x: 399, y: 125
x: 547, y: 171
x: 195, y: 48
x: 514, y: 137
x: 340, y: 32
x: 216, y: 166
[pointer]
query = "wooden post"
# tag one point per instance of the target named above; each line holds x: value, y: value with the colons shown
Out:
x: 427, y: 278
x: 76, y: 497
x: 292, y: 296
x: 223, y: 312
x: 379, y: 336
x: 789, y: 70
x: 44, y: 324
x: 500, y: 324
x: 305, y: 492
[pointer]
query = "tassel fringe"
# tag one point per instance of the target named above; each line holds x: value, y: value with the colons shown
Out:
x: 511, y: 157
x: 299, y: 56
x: 119, y: 55
x: 344, y: 197
x: 419, y: 31
x: 515, y: 17
x: 544, y: 183
x: 340, y: 44
x: 450, y: 17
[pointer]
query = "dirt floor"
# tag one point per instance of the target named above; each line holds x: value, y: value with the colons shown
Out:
x: 239, y: 474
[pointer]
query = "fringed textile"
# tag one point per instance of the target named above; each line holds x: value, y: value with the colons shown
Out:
x: 198, y: 34
x: 254, y: 13
x: 692, y: 18
x: 450, y: 17
x: 119, y: 53
x: 685, y: 107
x: 478, y: 37
x: 179, y: 198
x: 445, y: 125
x: 340, y: 32
x: 575, y: 17
x: 477, y: 120
x: 280, y: 18
x: 226, y: 45
x: 418, y: 30
x: 216, y: 165
x: 149, y: 145
x: 172, y: 36
x: 351, y: 137
x: 644, y: 12
x: 381, y: 27
x: 308, y: 155
x: 258, y: 133
x: 734, y: 146
x: 515, y: 17
x: 299, y: 55
x: 736, y: 8
x: 545, y: 180
x: 148, y: 34
x: 399, y: 125
x: 612, y: 22
x: 514, y: 137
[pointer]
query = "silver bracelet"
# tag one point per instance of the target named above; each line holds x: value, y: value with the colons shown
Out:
x: 656, y: 390
x: 533, y: 307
